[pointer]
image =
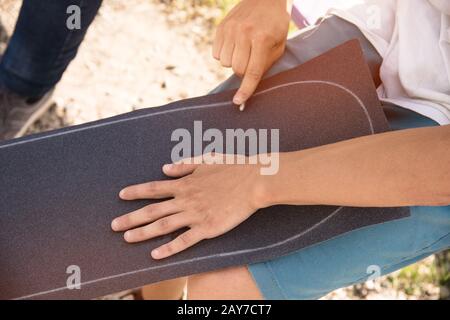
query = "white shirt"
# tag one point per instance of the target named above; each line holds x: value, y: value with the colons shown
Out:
x: 413, y: 37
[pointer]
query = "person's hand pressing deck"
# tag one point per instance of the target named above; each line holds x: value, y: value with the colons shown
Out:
x: 250, y: 39
x: 391, y: 169
x: 209, y: 199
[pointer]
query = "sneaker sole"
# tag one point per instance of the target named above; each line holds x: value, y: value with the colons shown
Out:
x: 45, y: 104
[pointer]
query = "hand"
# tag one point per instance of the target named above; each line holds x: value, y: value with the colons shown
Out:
x: 209, y: 199
x: 250, y: 39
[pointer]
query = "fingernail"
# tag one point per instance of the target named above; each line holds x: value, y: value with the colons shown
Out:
x: 122, y: 193
x: 167, y: 166
x: 115, y: 225
x: 127, y: 236
x: 155, y: 254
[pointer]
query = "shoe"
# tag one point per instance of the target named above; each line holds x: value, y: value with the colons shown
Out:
x: 18, y: 113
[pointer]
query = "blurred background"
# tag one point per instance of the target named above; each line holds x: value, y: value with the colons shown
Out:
x: 142, y: 53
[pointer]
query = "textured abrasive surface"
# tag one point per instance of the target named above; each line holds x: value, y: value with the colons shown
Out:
x: 59, y: 189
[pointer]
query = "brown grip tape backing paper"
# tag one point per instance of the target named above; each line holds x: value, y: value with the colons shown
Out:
x: 59, y: 190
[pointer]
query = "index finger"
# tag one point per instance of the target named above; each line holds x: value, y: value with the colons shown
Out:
x: 253, y: 73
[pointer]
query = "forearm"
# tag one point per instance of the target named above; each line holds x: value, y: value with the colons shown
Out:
x: 402, y: 168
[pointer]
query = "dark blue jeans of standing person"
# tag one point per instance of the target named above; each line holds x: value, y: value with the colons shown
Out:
x: 43, y: 45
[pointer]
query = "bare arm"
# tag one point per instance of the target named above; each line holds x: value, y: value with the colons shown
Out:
x: 402, y: 168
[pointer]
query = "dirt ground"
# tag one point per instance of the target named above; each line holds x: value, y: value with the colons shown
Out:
x: 132, y: 57
x: 147, y: 53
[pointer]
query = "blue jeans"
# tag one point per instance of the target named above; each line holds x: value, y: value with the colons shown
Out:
x: 312, y: 272
x: 42, y: 45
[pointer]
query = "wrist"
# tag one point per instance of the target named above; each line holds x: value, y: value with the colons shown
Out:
x: 261, y: 193
x: 267, y: 184
x: 291, y: 184
x: 259, y: 186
